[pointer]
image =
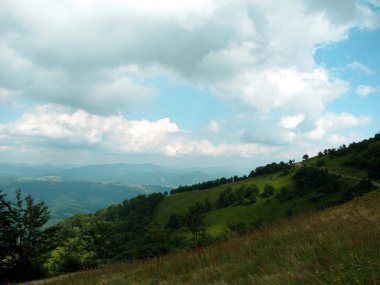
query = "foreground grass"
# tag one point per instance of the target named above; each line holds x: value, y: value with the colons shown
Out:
x: 337, y: 246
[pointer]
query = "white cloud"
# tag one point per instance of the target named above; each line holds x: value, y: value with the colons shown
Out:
x: 291, y: 122
x: 206, y: 148
x: 355, y: 65
x: 365, y: 90
x: 368, y: 17
x: 213, y: 126
x: 52, y: 124
x: 285, y: 89
x: 98, y: 56
x: 66, y: 52
x: 338, y: 140
x: 331, y: 122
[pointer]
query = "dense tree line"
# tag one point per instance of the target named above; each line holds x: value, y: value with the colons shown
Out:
x: 121, y: 232
x: 207, y: 184
x: 243, y: 195
x: 364, y: 155
x: 319, y: 183
x: 311, y: 179
x: 270, y: 168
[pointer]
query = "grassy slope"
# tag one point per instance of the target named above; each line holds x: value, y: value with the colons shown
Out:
x: 264, y: 210
x: 217, y: 219
x: 337, y: 246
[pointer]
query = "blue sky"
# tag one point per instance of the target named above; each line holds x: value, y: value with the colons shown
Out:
x: 208, y: 83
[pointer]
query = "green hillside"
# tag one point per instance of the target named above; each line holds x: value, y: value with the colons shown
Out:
x: 218, y: 219
x: 358, y: 162
x: 335, y: 246
x: 199, y: 215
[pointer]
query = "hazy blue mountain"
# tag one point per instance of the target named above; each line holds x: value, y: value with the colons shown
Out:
x: 13, y: 169
x: 70, y: 190
x: 146, y: 174
x: 66, y: 198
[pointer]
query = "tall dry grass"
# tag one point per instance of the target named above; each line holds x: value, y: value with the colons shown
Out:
x: 340, y: 245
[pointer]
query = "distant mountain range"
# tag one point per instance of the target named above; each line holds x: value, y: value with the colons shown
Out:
x: 142, y: 174
x: 71, y: 190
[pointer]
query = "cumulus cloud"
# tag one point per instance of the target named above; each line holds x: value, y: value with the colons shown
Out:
x: 85, y: 62
x: 331, y: 122
x: 365, y: 90
x: 286, y: 89
x: 54, y: 124
x: 63, y: 53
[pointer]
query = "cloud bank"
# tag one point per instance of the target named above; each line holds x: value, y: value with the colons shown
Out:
x: 82, y: 63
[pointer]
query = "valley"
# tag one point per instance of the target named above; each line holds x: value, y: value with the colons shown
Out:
x: 71, y: 190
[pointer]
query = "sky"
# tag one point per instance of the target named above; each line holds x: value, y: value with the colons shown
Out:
x: 186, y: 83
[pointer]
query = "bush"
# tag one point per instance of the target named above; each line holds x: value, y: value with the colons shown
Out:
x: 175, y: 222
x: 227, y: 198
x: 320, y: 163
x: 310, y: 179
x: 284, y: 194
x: 268, y: 191
x: 362, y: 187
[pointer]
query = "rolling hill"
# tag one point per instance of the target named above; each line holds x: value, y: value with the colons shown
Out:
x: 280, y: 209
x: 350, y: 165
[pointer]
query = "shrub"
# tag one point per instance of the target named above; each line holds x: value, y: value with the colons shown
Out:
x: 268, y: 191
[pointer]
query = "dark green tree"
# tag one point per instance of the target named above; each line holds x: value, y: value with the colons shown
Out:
x: 174, y: 222
x: 8, y: 254
x: 227, y: 198
x: 207, y: 205
x: 194, y: 223
x: 29, y: 218
x: 23, y: 242
x: 102, y: 239
x: 156, y: 242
